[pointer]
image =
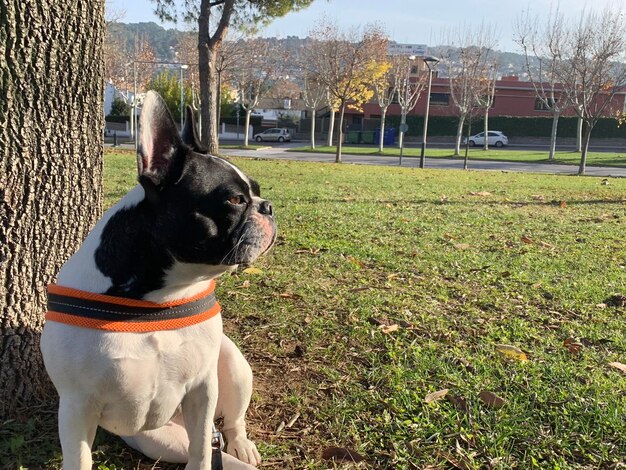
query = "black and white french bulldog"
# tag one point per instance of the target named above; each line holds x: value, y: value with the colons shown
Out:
x: 191, y: 218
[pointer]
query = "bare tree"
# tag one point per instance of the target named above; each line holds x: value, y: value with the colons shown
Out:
x: 253, y: 77
x: 467, y: 70
x: 408, y: 90
x: 385, y: 89
x: 313, y: 95
x: 345, y: 65
x: 541, y: 43
x: 593, y: 50
x: 485, y: 98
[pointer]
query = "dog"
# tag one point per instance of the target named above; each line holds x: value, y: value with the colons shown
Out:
x: 133, y: 337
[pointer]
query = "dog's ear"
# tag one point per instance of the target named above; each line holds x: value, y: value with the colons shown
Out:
x: 190, y: 133
x: 158, y: 143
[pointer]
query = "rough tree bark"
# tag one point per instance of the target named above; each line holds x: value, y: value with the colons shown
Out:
x: 51, y: 122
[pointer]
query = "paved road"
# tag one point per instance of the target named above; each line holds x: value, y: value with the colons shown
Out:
x: 281, y: 153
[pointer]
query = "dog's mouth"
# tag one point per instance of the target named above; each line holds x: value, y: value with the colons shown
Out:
x: 255, y: 238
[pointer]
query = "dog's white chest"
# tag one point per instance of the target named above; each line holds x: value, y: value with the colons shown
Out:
x: 137, y: 379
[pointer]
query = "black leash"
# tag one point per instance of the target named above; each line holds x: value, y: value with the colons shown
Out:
x: 217, y: 444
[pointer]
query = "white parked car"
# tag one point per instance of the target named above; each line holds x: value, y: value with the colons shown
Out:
x: 276, y: 134
x: 496, y: 138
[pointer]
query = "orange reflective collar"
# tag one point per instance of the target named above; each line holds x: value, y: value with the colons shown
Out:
x: 105, y: 312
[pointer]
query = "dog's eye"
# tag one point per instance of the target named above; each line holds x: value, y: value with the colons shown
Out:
x: 236, y: 200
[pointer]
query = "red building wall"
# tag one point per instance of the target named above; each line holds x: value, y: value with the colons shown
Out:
x: 512, y: 98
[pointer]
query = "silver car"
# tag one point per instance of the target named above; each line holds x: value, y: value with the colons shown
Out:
x: 276, y: 134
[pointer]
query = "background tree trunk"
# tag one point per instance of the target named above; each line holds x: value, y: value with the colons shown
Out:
x: 340, y: 136
x: 51, y: 128
x: 313, y: 128
x: 331, y: 128
x: 555, y: 127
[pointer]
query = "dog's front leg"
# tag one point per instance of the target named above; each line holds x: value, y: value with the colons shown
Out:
x: 198, y: 412
x: 78, y: 422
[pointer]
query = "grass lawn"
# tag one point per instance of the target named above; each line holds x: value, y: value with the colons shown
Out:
x: 389, y: 284
x: 573, y: 158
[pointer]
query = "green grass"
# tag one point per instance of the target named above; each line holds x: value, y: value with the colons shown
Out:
x: 526, y: 156
x: 461, y: 262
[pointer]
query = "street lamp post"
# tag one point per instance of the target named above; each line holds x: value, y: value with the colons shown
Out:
x: 428, y: 61
x: 182, y: 94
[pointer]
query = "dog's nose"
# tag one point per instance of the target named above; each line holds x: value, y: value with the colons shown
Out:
x: 265, y: 208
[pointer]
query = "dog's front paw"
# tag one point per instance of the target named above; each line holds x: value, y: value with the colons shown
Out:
x: 243, y: 448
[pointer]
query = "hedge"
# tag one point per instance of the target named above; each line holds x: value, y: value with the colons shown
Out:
x: 512, y: 126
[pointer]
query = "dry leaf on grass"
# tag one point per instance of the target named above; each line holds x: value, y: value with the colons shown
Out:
x: 435, y: 396
x: 462, y: 246
x: 480, y: 193
x: 341, y: 454
x: 389, y: 328
x: 491, y: 399
x: 572, y: 345
x: 527, y: 240
x: 253, y: 271
x: 511, y: 352
x: 453, y: 460
x: 618, y: 365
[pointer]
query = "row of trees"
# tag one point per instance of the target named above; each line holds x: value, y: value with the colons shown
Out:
x: 572, y: 65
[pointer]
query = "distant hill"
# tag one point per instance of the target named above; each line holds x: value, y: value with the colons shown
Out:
x: 164, y: 42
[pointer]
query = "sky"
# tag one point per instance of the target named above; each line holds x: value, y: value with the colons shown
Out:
x: 406, y: 21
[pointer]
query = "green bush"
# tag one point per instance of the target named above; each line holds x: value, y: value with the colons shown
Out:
x: 119, y: 107
x: 167, y: 84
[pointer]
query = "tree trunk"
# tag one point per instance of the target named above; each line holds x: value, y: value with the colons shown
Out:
x: 51, y: 122
x: 486, y: 130
x: 207, y: 59
x: 555, y: 126
x: 469, y: 132
x: 313, y: 128
x: 585, y: 148
x: 381, y: 144
x: 459, y: 134
x: 246, y: 137
x: 208, y: 49
x: 579, y: 135
x: 331, y: 127
x: 340, y: 136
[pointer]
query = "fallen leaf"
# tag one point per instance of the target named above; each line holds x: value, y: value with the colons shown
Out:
x: 618, y: 365
x: 546, y: 245
x: 435, y: 396
x: 341, y: 454
x: 538, y: 197
x: 572, y: 345
x: 388, y: 328
x: 452, y: 460
x: 480, y: 193
x: 285, y: 295
x: 527, y: 240
x: 491, y: 399
x: 563, y: 204
x: 461, y: 246
x: 459, y: 402
x: 448, y: 237
x: 253, y: 271
x: 512, y: 352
